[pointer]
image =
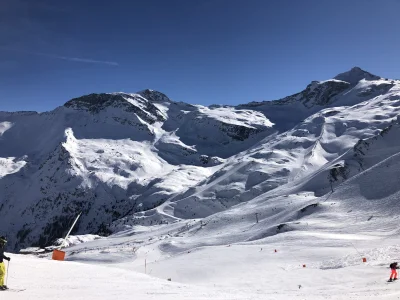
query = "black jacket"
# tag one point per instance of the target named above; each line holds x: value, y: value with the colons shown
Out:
x: 2, y: 256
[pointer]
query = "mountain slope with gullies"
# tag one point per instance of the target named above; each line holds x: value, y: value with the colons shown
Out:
x: 128, y: 160
x: 110, y: 155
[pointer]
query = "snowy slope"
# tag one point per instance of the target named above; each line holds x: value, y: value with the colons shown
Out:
x: 109, y: 155
x: 56, y: 280
x: 346, y: 89
x: 329, y: 234
x: 239, y: 272
x: 301, y: 156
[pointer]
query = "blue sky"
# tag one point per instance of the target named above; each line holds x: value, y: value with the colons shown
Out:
x: 197, y: 51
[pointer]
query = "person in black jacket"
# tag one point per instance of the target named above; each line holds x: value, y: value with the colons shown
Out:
x: 393, y: 267
x: 3, y: 242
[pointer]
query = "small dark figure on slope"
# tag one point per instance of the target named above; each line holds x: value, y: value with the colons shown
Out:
x: 393, y: 275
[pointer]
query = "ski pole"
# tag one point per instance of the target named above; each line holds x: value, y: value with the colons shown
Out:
x: 8, y: 271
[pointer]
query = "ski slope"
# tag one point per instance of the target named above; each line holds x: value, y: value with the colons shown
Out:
x: 54, y: 280
x: 254, y: 271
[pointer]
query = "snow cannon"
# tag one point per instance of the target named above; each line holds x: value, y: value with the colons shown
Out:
x: 57, y: 253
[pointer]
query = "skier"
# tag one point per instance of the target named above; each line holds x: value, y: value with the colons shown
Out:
x: 393, y: 275
x: 3, y: 242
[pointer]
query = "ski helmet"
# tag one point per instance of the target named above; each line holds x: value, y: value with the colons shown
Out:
x: 3, y: 240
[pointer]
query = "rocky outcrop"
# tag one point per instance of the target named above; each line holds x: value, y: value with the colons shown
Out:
x: 94, y: 103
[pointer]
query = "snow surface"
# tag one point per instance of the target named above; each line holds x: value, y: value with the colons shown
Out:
x: 10, y: 165
x: 4, y: 126
x: 334, y: 270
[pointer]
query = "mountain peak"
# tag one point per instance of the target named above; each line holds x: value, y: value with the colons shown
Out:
x: 132, y: 103
x: 354, y: 75
x: 96, y: 102
x: 154, y: 96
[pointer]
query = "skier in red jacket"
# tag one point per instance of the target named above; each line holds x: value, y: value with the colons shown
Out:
x: 393, y: 275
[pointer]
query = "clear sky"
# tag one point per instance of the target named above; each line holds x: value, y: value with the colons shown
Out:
x: 197, y: 51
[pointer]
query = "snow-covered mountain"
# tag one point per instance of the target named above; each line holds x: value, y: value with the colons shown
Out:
x: 110, y: 155
x: 128, y: 160
x: 301, y: 159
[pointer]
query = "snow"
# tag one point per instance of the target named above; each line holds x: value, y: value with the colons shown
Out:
x: 10, y: 165
x: 355, y: 75
x: 4, y: 126
x: 237, y: 117
x: 205, y: 195
x: 77, y: 239
x: 117, y: 152
x: 55, y: 280
x: 334, y: 270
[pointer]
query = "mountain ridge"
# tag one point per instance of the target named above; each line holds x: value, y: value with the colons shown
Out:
x: 143, y: 159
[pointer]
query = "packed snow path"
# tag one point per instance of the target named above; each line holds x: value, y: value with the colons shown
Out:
x: 237, y: 272
x: 45, y: 279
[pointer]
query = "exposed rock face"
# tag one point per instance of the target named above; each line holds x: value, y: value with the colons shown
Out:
x: 95, y: 103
